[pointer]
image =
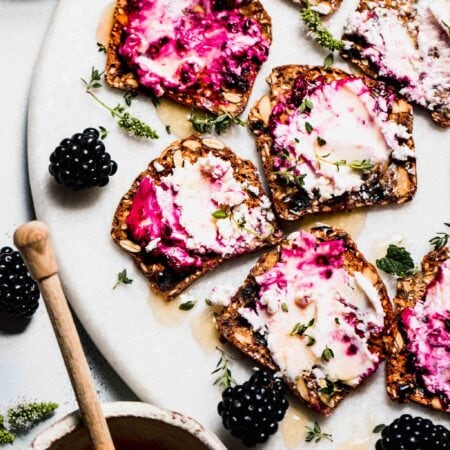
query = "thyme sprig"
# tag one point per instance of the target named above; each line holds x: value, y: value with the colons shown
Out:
x: 207, y: 123
x: 133, y: 125
x: 122, y: 278
x: 356, y: 164
x: 225, y: 379
x: 228, y: 214
x: 26, y: 415
x: 441, y: 239
x: 315, y: 434
x: 319, y: 31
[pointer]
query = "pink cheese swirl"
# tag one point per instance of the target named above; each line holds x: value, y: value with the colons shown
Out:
x: 193, y: 45
x: 174, y: 218
x: 427, y: 327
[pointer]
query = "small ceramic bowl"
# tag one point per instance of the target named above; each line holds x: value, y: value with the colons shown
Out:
x: 134, y: 426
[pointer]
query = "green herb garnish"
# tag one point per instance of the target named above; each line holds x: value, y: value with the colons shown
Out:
x: 125, y: 120
x: 129, y: 97
x: 225, y: 379
x: 24, y: 416
x: 122, y: 277
x: 220, y: 214
x: 219, y: 124
x: 308, y: 127
x: 311, y: 341
x: 336, y: 319
x: 208, y: 301
x: 327, y: 354
x: 101, y: 48
x: 6, y: 437
x: 168, y: 131
x: 290, y: 178
x: 315, y: 434
x: 319, y: 31
x: 321, y: 141
x: 398, y: 261
x: 307, y: 105
x: 441, y: 239
x: 356, y: 164
x: 187, y: 306
x: 300, y: 328
x: 284, y: 307
x: 328, y: 61
x: 103, y: 132
x: 379, y: 428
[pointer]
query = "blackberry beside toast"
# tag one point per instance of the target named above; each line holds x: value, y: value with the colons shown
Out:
x: 195, y: 206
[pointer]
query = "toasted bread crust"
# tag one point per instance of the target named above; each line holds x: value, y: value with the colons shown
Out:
x: 241, y: 334
x: 164, y: 279
x: 402, y: 383
x: 353, y: 54
x: 119, y: 75
x: 394, y: 183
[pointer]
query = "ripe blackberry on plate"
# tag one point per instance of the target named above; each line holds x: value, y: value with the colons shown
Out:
x: 251, y: 411
x: 81, y: 162
x: 413, y: 433
x: 19, y: 293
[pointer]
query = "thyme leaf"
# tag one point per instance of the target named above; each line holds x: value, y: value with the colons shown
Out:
x: 187, y: 306
x: 122, y: 278
x: 441, y: 239
x: 315, y: 434
x: 225, y: 379
x: 219, y: 124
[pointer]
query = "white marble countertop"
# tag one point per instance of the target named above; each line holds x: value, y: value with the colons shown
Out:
x: 31, y: 368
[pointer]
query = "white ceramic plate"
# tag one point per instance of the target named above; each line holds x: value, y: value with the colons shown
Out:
x: 156, y: 348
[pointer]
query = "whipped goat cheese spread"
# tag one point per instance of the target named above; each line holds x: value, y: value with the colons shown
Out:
x: 427, y: 328
x: 335, y: 126
x: 184, y: 44
x: 198, y: 211
x: 408, y: 44
x: 315, y: 315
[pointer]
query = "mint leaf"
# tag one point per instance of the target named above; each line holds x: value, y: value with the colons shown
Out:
x: 398, y: 261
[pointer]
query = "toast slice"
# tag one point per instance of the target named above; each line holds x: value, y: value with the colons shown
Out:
x: 407, y: 377
x: 405, y: 43
x: 212, y: 69
x: 316, y: 131
x: 324, y: 7
x: 289, y: 312
x: 193, y: 208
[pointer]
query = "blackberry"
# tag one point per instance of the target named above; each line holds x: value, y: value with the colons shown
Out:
x: 81, y: 162
x: 19, y: 293
x: 251, y: 411
x: 413, y: 433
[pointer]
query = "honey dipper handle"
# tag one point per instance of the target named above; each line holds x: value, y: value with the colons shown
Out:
x: 34, y: 244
